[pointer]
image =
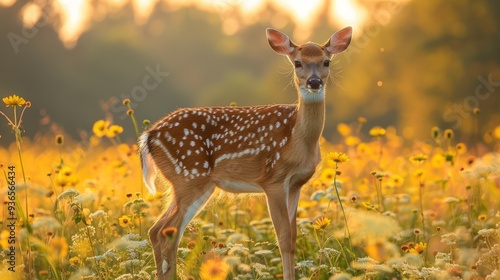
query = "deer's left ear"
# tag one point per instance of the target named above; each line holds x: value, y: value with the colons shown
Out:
x: 280, y: 42
x: 339, y: 41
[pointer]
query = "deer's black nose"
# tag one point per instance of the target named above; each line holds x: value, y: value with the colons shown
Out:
x: 314, y: 82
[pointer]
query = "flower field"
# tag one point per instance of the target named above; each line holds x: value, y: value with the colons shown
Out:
x: 379, y: 207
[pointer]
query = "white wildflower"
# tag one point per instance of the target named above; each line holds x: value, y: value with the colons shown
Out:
x: 84, y: 197
x: 244, y: 268
x: 449, y: 238
x: 237, y: 250
x: 49, y: 223
x: 451, y: 199
x: 263, y: 253
x: 69, y: 193
x: 442, y: 258
x: 97, y: 214
x: 487, y: 232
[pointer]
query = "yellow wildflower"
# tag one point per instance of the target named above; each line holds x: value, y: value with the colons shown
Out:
x: 58, y: 248
x: 449, y: 134
x: 125, y: 149
x: 419, y: 173
x: 214, y: 269
x: 438, y: 160
x: 344, y: 129
x: 75, y: 261
x: 462, y: 148
x: 327, y: 175
x: 435, y: 132
x: 363, y: 150
x: 396, y: 180
x: 352, y: 141
x: 124, y: 221
x: 100, y: 128
x: 317, y: 184
x: 322, y: 223
x: 496, y: 132
x: 418, y: 158
x: 66, y: 177
x: 377, y: 131
x: 94, y: 140
x: 66, y: 171
x: 378, y: 250
x: 367, y: 205
x: 482, y: 217
x: 338, y: 157
x: 59, y: 139
x: 13, y: 100
x: 418, y: 248
x: 114, y: 130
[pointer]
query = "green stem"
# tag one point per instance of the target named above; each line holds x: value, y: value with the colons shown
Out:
x: 421, y: 187
x: 341, y: 206
x: 17, y: 133
x: 380, y: 152
x: 136, y: 128
x: 343, y: 251
x: 134, y: 122
x: 15, y: 117
x: 92, y: 246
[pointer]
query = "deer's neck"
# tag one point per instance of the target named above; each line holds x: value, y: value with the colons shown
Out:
x: 310, y: 117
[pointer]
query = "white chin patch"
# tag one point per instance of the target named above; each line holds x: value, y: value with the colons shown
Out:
x: 311, y: 96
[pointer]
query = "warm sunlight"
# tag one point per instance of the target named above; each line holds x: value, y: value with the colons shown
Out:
x: 72, y: 17
x: 75, y: 15
x: 7, y: 3
x: 249, y: 139
x: 348, y: 12
x: 303, y: 12
x: 143, y: 9
x: 30, y: 14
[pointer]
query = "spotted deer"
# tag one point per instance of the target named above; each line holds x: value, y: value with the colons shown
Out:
x: 270, y: 149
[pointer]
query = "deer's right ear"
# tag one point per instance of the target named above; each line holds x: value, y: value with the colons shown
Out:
x: 280, y: 42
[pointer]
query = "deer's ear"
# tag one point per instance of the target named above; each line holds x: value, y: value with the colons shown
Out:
x: 280, y: 42
x: 339, y: 41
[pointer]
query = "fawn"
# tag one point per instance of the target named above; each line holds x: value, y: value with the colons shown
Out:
x: 272, y: 149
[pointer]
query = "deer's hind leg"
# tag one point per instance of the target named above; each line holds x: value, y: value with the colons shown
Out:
x: 188, y: 197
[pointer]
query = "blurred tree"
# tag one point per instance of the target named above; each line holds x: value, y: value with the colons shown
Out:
x: 422, y: 68
x: 412, y: 66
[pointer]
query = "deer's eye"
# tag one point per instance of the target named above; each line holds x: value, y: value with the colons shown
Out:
x: 297, y: 64
x: 326, y: 63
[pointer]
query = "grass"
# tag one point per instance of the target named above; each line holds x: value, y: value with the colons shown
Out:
x: 384, y: 208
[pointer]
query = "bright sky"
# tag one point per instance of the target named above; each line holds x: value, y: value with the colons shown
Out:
x: 75, y: 16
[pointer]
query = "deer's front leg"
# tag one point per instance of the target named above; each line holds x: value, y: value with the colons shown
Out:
x: 293, y: 201
x: 278, y: 210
